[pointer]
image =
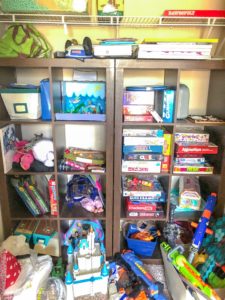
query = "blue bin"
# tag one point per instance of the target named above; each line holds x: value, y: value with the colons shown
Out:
x: 142, y: 248
x: 45, y: 100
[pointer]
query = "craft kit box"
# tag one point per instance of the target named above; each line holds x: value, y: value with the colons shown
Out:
x: 22, y: 103
x: 26, y: 6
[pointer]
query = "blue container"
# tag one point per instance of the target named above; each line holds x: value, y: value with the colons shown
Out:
x: 142, y: 248
x: 45, y: 100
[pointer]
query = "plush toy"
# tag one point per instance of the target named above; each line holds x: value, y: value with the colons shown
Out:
x: 23, y: 154
x: 43, y: 151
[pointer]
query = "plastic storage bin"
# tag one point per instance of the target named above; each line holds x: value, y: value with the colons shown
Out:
x: 45, y: 100
x: 142, y: 248
x: 22, y: 103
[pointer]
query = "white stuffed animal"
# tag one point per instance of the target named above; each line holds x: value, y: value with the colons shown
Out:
x: 43, y: 151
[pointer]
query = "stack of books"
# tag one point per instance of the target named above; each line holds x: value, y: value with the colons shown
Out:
x: 143, y: 196
x: 190, y: 148
x: 142, y: 150
x: 76, y: 159
x: 139, y: 103
x: 171, y: 48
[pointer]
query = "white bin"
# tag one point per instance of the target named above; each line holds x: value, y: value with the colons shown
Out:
x: 22, y: 103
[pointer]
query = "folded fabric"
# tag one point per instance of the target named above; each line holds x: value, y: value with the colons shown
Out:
x: 94, y: 206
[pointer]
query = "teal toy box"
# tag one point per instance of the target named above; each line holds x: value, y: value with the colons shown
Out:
x: 83, y: 100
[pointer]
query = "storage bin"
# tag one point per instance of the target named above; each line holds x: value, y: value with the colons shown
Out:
x: 22, y: 103
x: 45, y: 100
x: 142, y: 248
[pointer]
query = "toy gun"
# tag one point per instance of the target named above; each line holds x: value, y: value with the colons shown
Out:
x: 201, y: 226
x: 187, y: 270
x: 136, y: 265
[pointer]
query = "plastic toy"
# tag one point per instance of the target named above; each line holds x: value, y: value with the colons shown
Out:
x: 54, y: 290
x: 201, y: 227
x: 87, y: 273
x: 58, y: 270
x: 136, y: 265
x: 77, y: 226
x: 214, y: 247
x: 187, y: 270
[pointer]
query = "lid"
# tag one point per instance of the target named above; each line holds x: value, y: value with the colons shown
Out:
x: 19, y: 91
x: 146, y: 88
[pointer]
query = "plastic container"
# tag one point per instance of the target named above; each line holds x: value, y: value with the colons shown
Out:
x: 142, y: 248
x: 22, y: 103
x: 45, y: 100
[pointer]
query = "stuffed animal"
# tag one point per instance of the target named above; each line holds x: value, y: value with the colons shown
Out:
x: 23, y: 154
x: 43, y: 151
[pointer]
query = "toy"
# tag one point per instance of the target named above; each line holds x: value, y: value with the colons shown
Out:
x: 214, y: 247
x: 187, y: 270
x: 136, y: 265
x: 76, y: 226
x: 43, y: 151
x: 23, y: 155
x: 58, y: 270
x: 87, y: 190
x: 87, y: 273
x: 54, y: 289
x: 201, y: 227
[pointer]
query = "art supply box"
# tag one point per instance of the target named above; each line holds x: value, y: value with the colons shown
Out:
x: 22, y: 103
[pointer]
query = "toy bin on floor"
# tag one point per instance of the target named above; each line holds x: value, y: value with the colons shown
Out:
x: 22, y: 103
x: 140, y: 247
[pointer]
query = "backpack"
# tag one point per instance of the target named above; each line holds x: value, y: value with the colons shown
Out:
x: 24, y: 41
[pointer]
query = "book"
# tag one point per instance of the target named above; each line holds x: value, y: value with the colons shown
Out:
x: 143, y: 132
x: 180, y: 40
x: 193, y: 148
x: 171, y: 54
x: 138, y: 118
x: 135, y: 141
x: 210, y: 119
x: 175, y: 47
x: 7, y: 139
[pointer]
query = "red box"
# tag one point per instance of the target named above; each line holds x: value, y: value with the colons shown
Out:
x: 53, y: 198
x: 209, y: 148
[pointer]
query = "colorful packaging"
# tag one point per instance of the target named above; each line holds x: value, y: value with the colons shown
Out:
x: 189, y: 192
x: 53, y: 197
x: 138, y: 98
x: 84, y: 97
x: 164, y: 104
x: 110, y: 8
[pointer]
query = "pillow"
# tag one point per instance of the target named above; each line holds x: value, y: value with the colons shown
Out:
x: 9, y: 270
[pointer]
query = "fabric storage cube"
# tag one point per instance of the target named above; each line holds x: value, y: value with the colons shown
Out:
x: 22, y: 103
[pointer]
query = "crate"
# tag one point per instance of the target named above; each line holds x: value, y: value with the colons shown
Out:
x: 22, y: 103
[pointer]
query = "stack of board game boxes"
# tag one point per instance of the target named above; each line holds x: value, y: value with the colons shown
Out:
x: 148, y: 104
x: 146, y: 150
x: 190, y: 150
x: 143, y: 196
x: 76, y: 159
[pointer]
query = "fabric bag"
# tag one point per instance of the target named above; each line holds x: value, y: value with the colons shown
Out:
x: 24, y: 41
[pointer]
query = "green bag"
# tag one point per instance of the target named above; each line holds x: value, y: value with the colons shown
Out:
x: 24, y: 41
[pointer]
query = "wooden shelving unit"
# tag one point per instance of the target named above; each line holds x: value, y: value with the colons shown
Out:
x: 13, y: 210
x: 172, y: 71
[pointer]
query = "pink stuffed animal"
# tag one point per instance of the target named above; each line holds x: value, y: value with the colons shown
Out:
x: 22, y: 155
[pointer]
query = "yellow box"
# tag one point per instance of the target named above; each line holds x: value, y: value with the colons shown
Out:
x: 167, y: 143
